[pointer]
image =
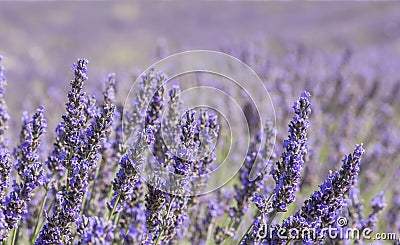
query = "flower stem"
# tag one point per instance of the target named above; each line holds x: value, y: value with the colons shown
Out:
x: 246, y: 233
x: 166, y: 217
x: 39, y: 215
x: 14, y: 236
x: 114, y: 207
x: 252, y: 224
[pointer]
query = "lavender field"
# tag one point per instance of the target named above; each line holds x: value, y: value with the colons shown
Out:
x: 286, y: 131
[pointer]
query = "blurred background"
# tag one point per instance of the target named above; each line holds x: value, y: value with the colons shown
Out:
x: 40, y: 40
x: 346, y: 54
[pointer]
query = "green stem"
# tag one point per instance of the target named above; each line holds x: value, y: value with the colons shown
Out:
x: 91, y: 191
x: 288, y: 242
x: 245, y: 234
x: 14, y: 236
x: 209, y: 234
x: 252, y: 224
x: 117, y: 218
x: 272, y: 218
x: 166, y: 217
x: 114, y: 207
x: 39, y: 215
x: 44, y: 221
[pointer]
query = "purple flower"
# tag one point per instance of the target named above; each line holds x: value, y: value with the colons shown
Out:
x: 377, y: 205
x: 127, y: 185
x: 323, y: 206
x: 135, y: 113
x: 4, y: 116
x: 29, y: 169
x: 68, y: 131
x: 247, y: 187
x: 95, y: 230
x: 5, y: 170
x: 81, y: 144
x: 288, y: 169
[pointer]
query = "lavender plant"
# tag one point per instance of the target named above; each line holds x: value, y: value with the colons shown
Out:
x: 91, y: 188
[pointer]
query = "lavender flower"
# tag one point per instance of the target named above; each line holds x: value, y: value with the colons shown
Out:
x: 323, y: 206
x: 5, y: 170
x: 110, y: 151
x: 288, y: 169
x: 377, y: 204
x: 247, y: 188
x: 208, y: 136
x: 135, y: 111
x: 81, y: 157
x: 68, y: 131
x: 205, y: 221
x: 170, y: 124
x: 29, y: 169
x: 87, y: 205
x: 166, y: 213
x: 355, y: 206
x: 127, y: 184
x: 94, y: 230
x: 5, y: 163
x: 4, y: 117
x: 153, y: 117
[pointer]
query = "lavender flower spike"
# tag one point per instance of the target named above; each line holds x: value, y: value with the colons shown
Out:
x: 377, y: 204
x: 5, y: 164
x: 4, y: 117
x: 5, y: 170
x: 83, y: 143
x: 323, y: 206
x: 247, y: 189
x: 288, y: 169
x: 74, y: 119
x: 95, y: 230
x: 29, y: 169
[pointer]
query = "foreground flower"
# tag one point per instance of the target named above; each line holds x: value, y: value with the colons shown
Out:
x: 29, y: 169
x: 69, y: 130
x: 83, y: 143
x: 95, y: 230
x: 288, y: 169
x: 323, y: 206
x: 247, y: 187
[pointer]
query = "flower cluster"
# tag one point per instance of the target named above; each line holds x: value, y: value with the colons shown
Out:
x: 78, y: 152
x: 30, y: 171
x: 288, y: 169
x: 94, y: 230
x: 324, y: 205
x: 104, y: 183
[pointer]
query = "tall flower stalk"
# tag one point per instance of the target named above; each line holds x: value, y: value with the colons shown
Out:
x: 30, y: 171
x: 321, y: 209
x: 5, y: 162
x: 79, y: 157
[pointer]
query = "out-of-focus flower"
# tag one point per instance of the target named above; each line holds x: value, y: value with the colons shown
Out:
x: 95, y: 230
x: 4, y: 116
